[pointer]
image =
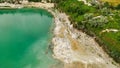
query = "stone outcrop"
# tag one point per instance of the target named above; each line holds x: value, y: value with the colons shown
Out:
x: 75, y: 48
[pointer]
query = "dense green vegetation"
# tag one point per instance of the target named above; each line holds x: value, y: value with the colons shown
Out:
x: 35, y: 0
x: 93, y: 20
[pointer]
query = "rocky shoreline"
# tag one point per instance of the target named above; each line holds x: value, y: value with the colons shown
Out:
x: 75, y: 48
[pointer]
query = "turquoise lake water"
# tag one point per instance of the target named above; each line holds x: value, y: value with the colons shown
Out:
x: 24, y: 38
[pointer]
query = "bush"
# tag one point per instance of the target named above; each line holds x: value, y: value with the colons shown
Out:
x: 118, y: 7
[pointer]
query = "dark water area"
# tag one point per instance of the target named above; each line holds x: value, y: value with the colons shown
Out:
x: 25, y: 35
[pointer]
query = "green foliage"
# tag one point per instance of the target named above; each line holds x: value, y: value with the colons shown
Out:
x: 75, y: 9
x: 56, y: 1
x: 118, y: 7
x: 34, y: 0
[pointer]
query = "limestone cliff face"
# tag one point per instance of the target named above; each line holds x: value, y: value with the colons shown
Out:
x: 76, y: 49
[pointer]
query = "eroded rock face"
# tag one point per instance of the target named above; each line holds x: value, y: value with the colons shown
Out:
x: 75, y: 48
